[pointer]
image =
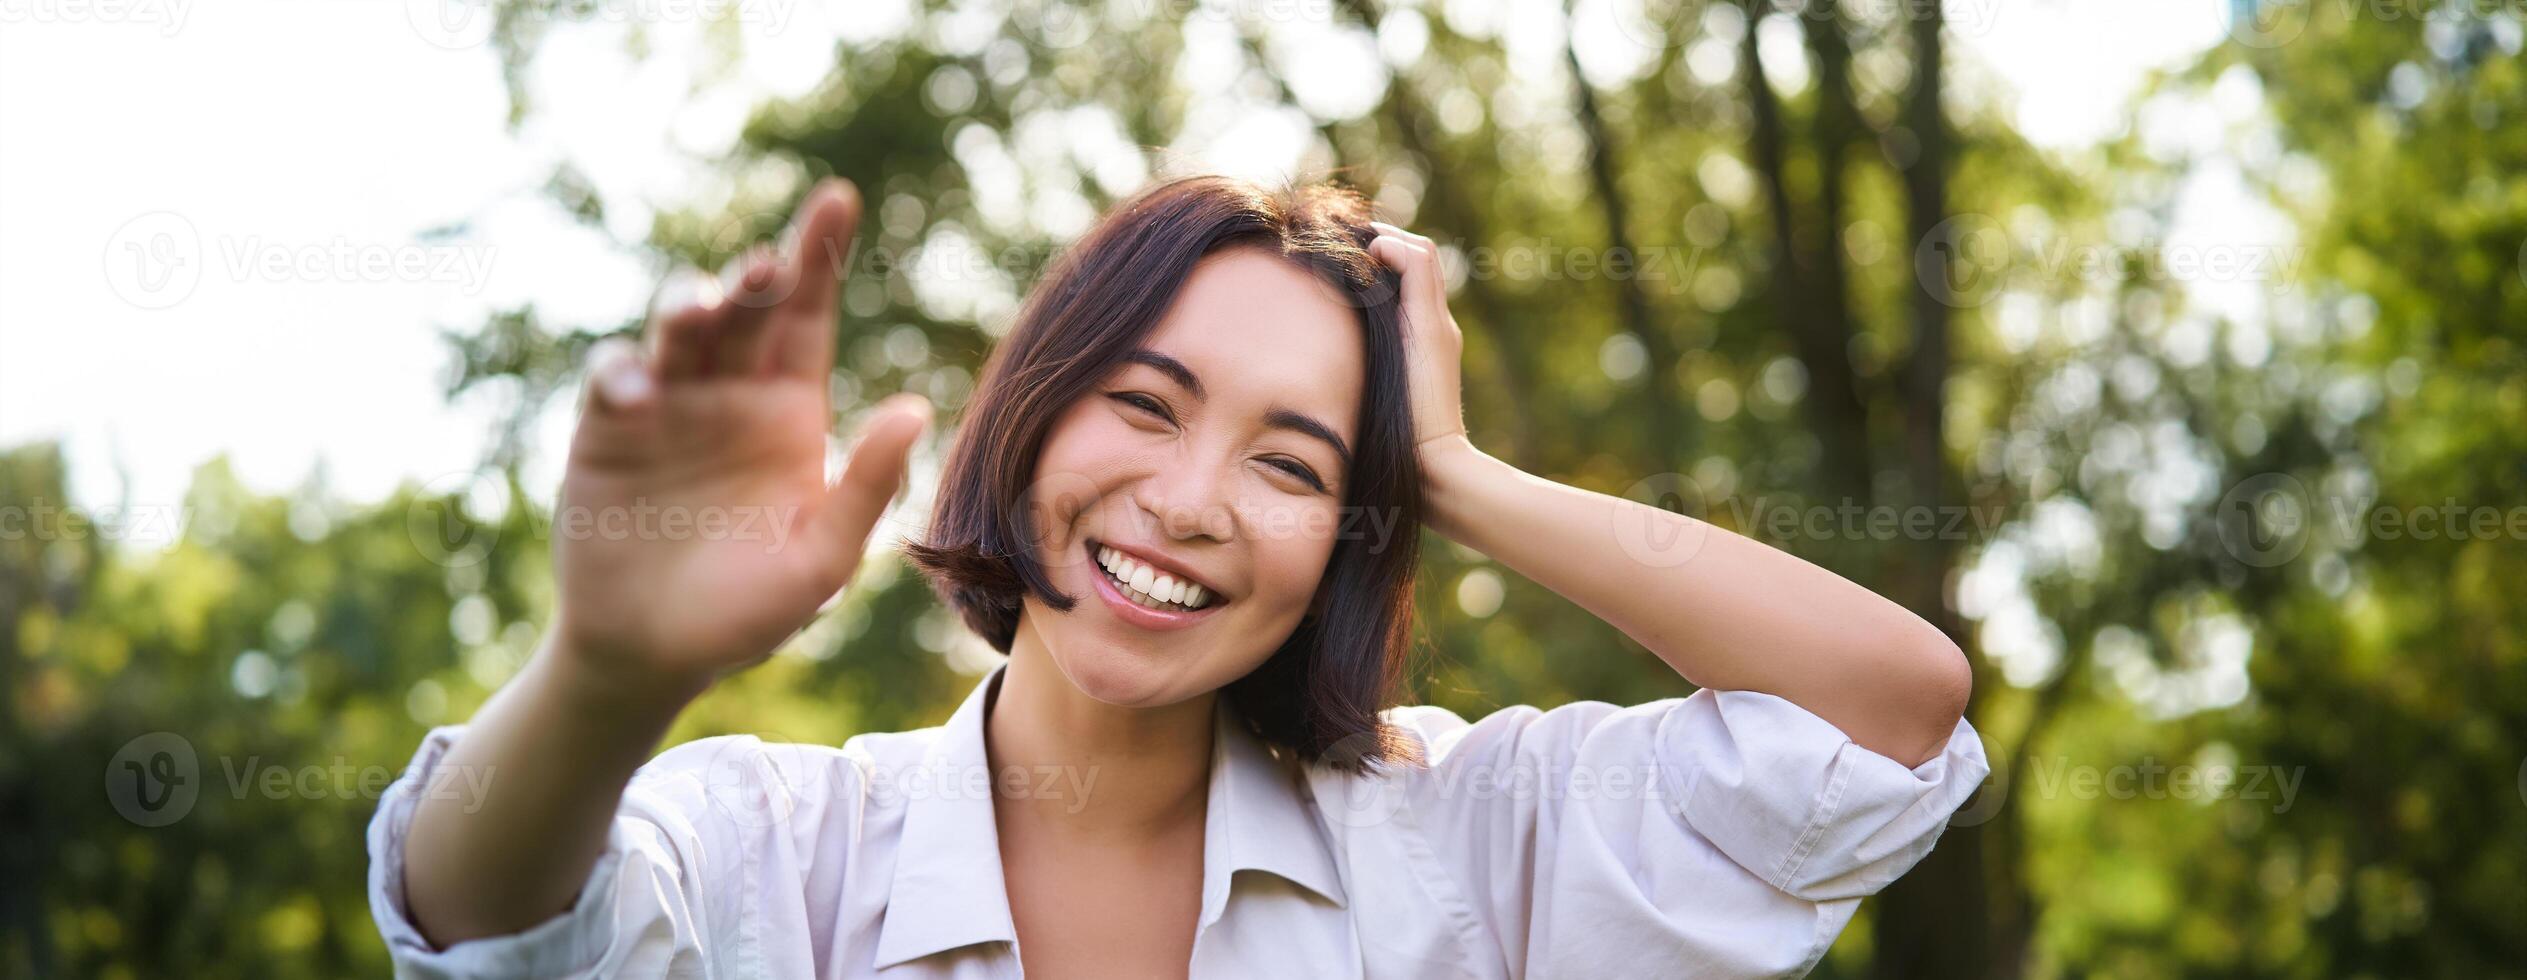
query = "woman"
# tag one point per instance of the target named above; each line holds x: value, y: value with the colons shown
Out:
x: 1184, y: 502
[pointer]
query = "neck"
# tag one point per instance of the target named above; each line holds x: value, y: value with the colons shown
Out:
x: 1115, y: 773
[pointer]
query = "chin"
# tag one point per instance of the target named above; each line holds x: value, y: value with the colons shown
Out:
x: 1119, y: 675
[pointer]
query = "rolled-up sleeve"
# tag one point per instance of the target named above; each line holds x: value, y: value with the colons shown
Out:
x: 1725, y: 834
x: 674, y: 893
x: 1789, y: 797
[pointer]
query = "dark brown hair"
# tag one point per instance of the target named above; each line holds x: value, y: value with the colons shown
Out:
x: 1320, y: 692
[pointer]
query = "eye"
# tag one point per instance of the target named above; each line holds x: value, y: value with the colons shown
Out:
x: 1143, y: 402
x: 1296, y: 469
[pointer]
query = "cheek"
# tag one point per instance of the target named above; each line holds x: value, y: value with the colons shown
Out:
x: 1081, y: 458
x: 1290, y: 560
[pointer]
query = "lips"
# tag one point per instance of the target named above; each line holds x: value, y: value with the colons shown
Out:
x: 1137, y: 606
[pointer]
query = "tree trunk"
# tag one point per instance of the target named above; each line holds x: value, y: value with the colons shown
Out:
x: 1663, y: 419
x: 1827, y: 335
x: 1818, y: 320
x: 1934, y: 922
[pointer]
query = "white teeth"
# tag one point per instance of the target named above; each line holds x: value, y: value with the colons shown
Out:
x: 1146, y: 586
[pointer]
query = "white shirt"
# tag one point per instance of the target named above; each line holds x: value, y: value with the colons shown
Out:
x: 1725, y: 834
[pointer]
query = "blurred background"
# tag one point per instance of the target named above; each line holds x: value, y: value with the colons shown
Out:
x: 2165, y: 352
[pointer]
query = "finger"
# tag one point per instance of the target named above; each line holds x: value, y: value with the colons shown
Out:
x: 1417, y: 239
x: 1427, y: 246
x: 1392, y: 253
x: 681, y: 322
x: 870, y: 479
x: 619, y: 381
x: 1405, y: 258
x: 1419, y: 262
x: 803, y: 332
x: 738, y: 340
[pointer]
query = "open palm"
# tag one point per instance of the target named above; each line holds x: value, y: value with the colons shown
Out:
x: 696, y: 528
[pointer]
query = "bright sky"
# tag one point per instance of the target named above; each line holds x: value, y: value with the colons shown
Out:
x: 212, y: 214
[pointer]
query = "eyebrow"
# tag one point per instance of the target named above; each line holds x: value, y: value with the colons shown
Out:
x: 1278, y: 418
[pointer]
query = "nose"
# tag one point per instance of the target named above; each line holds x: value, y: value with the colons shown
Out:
x: 1192, y: 495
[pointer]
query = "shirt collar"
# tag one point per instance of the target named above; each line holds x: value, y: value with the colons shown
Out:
x: 948, y: 890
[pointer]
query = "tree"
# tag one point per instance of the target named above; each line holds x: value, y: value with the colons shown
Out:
x: 2179, y: 513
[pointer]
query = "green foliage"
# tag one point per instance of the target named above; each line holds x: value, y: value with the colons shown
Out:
x: 2100, y: 419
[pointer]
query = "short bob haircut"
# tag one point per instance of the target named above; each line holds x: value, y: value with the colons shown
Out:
x: 1319, y: 694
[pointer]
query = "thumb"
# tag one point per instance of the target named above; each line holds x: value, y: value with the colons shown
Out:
x: 870, y: 479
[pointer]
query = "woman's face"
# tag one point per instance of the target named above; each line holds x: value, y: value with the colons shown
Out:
x: 1218, y: 455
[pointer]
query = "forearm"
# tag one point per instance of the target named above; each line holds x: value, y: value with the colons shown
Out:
x: 553, y: 750
x: 1725, y: 611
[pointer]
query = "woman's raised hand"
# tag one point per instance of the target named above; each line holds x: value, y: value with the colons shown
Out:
x: 696, y: 529
x: 1434, y: 347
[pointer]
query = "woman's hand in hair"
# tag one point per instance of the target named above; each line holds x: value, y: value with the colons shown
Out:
x: 697, y: 529
x: 1434, y: 347
x: 1726, y: 612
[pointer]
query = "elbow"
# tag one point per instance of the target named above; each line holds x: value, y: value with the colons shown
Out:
x: 1951, y: 683
x: 1906, y: 702
x: 1943, y: 687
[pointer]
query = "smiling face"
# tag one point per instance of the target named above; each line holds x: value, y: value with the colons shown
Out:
x: 1218, y: 457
